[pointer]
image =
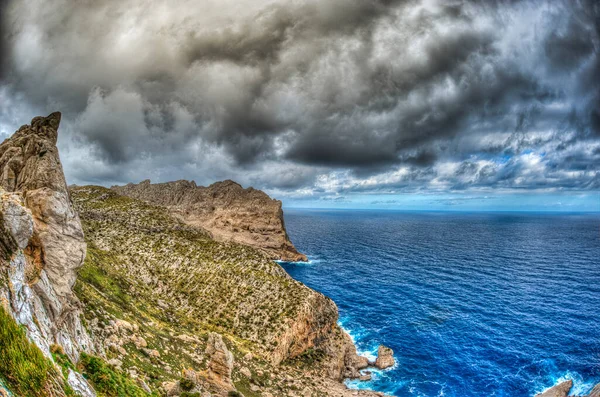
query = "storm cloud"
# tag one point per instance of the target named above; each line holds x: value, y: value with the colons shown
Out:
x: 313, y: 98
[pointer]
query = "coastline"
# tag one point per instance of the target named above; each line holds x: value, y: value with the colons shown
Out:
x: 352, y: 384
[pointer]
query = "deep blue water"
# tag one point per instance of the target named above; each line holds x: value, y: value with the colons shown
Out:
x: 496, y: 304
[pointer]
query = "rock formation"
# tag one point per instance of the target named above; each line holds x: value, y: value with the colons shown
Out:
x: 226, y: 210
x: 42, y: 241
x: 158, y: 292
x: 385, y: 357
x: 560, y: 390
x: 220, y: 362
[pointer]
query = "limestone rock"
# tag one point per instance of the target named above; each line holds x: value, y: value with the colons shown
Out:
x: 226, y: 210
x: 385, y: 357
x: 46, y: 239
x: 246, y: 372
x: 80, y: 385
x: 220, y: 362
x: 353, y: 363
x: 560, y: 390
x: 3, y: 392
x: 29, y: 164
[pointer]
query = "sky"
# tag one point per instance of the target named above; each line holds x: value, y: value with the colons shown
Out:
x: 423, y: 104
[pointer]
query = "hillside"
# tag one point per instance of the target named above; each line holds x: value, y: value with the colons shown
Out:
x: 173, y: 286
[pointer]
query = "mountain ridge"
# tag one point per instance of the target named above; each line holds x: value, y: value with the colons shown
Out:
x: 226, y: 210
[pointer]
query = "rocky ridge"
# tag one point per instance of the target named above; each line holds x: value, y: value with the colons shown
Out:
x: 226, y: 210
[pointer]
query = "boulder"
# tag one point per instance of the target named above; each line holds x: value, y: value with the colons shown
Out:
x: 246, y: 372
x: 220, y: 362
x: 385, y: 357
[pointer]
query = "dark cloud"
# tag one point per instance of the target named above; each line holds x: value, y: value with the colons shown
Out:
x: 315, y: 96
x: 3, y: 36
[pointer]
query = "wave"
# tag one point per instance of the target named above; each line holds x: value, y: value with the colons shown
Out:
x: 310, y: 262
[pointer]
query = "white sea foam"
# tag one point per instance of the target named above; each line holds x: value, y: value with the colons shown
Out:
x: 310, y: 262
x: 581, y: 387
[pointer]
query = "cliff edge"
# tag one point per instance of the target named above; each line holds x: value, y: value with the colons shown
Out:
x: 226, y: 210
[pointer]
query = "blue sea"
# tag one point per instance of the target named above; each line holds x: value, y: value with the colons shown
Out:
x: 473, y: 304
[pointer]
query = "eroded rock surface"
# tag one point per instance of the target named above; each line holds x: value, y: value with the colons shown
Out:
x: 42, y: 241
x: 226, y: 210
x: 595, y: 391
x: 385, y: 357
x: 220, y: 362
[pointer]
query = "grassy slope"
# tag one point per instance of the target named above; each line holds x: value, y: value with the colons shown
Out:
x: 23, y: 367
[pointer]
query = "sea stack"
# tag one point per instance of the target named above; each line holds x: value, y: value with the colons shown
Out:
x: 385, y: 357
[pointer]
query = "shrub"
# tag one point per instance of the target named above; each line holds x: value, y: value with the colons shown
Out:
x: 59, y: 356
x: 234, y: 393
x: 107, y: 381
x: 186, y: 384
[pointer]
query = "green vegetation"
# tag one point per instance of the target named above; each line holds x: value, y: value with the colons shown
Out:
x: 106, y: 381
x: 186, y: 384
x: 234, y: 394
x: 24, y: 368
x: 61, y: 359
x: 204, y: 283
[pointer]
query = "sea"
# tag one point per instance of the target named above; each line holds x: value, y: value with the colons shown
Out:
x: 473, y: 304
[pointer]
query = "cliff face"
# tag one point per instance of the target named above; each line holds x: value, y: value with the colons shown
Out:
x: 42, y: 240
x: 226, y: 210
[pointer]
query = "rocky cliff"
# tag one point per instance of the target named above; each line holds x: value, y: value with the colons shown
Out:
x: 42, y: 242
x: 226, y: 210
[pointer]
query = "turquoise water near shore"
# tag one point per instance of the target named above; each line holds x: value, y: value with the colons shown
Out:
x: 473, y: 304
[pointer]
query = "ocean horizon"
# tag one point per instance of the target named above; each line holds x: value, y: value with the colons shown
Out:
x: 473, y: 303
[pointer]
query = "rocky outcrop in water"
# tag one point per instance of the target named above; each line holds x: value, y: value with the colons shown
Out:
x: 560, y: 390
x: 563, y: 389
x: 42, y: 241
x: 385, y: 357
x: 226, y: 210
